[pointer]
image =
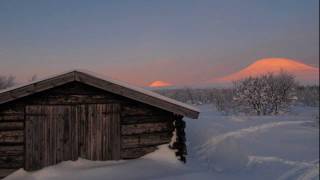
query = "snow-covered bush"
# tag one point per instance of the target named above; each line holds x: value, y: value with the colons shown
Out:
x: 308, y: 95
x: 223, y: 100
x: 6, y: 82
x: 266, y: 94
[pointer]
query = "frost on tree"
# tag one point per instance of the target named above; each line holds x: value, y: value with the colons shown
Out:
x: 266, y: 94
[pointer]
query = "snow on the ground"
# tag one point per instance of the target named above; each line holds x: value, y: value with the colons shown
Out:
x: 255, y: 147
x: 155, y: 165
x: 220, y: 147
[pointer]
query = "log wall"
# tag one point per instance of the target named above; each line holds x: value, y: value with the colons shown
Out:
x: 142, y: 127
x: 11, y: 140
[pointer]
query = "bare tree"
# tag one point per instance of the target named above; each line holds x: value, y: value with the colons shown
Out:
x: 249, y: 95
x: 281, y: 91
x: 266, y: 94
x: 189, y: 96
x: 223, y: 100
x: 7, y: 81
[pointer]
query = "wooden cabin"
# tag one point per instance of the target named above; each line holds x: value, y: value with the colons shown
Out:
x: 79, y: 114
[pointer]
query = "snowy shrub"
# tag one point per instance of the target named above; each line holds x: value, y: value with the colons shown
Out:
x: 223, y: 100
x: 266, y: 94
x: 6, y: 82
x: 308, y: 95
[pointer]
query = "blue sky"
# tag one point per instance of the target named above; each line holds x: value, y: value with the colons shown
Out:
x: 141, y: 41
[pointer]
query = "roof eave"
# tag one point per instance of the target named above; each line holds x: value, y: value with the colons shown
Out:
x: 116, y: 88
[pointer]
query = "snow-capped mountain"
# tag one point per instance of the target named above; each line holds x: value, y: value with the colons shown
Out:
x: 305, y: 74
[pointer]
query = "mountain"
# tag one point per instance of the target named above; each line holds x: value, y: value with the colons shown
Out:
x: 305, y: 74
x: 157, y: 84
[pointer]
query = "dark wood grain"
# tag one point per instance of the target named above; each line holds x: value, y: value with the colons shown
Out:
x: 132, y: 153
x: 100, y: 131
x: 77, y: 120
x: 50, y: 138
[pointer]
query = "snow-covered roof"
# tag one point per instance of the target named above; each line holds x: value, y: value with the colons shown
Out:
x: 102, y: 82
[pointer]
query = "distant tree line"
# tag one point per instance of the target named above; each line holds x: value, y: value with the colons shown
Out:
x: 7, y: 81
x: 263, y: 95
x: 308, y: 95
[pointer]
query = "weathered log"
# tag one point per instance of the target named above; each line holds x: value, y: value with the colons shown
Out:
x: 145, y: 128
x: 73, y: 99
x: 8, y: 150
x: 145, y: 140
x: 11, y: 161
x: 133, y: 153
x: 12, y: 117
x: 144, y: 119
x: 15, y: 125
x: 141, y: 110
x: 12, y: 136
x: 75, y: 88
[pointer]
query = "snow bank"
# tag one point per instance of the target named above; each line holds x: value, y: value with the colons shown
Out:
x: 151, y: 166
x: 220, y: 147
x: 254, y: 147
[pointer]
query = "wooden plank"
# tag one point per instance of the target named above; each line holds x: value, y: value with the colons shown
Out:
x: 115, y: 130
x: 5, y: 126
x: 72, y: 99
x: 75, y: 88
x: 74, y: 140
x: 11, y: 161
x: 142, y: 128
x: 15, y: 136
x: 139, y: 109
x: 136, y: 119
x: 83, y: 132
x: 12, y: 109
x: 9, y: 150
x: 100, y: 131
x: 134, y: 141
x: 52, y: 138
x: 11, y: 116
x: 132, y: 153
x: 32, y: 144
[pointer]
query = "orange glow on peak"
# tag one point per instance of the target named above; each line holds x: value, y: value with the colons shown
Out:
x: 159, y: 84
x: 301, y: 71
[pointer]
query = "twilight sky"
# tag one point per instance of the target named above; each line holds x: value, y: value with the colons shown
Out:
x: 178, y: 41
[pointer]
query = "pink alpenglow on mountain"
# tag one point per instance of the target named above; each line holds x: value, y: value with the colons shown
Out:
x: 305, y: 74
x: 159, y: 84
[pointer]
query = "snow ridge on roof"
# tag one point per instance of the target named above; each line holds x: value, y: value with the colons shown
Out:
x: 33, y: 82
x: 111, y: 80
x: 137, y: 88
